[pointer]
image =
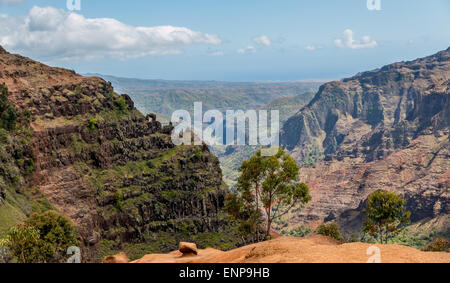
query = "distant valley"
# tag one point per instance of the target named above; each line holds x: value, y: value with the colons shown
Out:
x: 382, y: 129
x: 163, y: 97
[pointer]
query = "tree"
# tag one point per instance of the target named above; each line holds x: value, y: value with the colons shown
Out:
x: 56, y: 235
x: 43, y: 238
x: 242, y: 210
x: 247, y: 203
x: 268, y: 184
x: 21, y: 240
x: 386, y: 214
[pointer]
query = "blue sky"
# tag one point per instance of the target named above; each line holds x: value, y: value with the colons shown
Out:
x: 235, y: 40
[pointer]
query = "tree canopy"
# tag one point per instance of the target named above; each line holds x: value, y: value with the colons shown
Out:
x: 42, y: 238
x: 268, y: 188
x: 386, y: 215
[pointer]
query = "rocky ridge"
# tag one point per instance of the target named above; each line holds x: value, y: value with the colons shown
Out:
x: 112, y: 171
x: 382, y: 129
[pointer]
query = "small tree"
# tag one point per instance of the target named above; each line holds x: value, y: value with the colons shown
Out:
x: 43, y: 238
x: 241, y: 209
x: 21, y: 240
x: 56, y: 235
x: 268, y: 184
x: 386, y: 214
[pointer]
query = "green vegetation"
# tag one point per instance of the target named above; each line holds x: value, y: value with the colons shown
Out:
x: 79, y: 90
x: 386, y: 215
x: 42, y: 238
x: 150, y: 193
x: 92, y: 123
x: 164, y: 97
x: 8, y: 113
x: 300, y: 231
x: 231, y: 161
x: 330, y: 229
x: 160, y: 241
x: 288, y: 106
x: 312, y: 156
x: 21, y: 240
x: 17, y: 164
x: 438, y: 245
x: 269, y: 184
x: 121, y: 105
x: 57, y: 234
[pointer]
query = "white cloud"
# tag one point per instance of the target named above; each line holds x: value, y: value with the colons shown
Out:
x: 52, y: 33
x: 248, y: 49
x: 349, y: 42
x: 312, y: 47
x: 262, y: 40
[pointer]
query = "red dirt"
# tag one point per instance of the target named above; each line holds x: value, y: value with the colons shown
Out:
x: 315, y: 249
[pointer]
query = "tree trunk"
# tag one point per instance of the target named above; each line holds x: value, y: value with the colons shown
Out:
x: 269, y: 223
x: 257, y: 209
x: 387, y: 234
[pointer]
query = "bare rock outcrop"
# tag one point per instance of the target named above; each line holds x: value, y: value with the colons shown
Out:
x: 188, y: 248
x: 382, y: 129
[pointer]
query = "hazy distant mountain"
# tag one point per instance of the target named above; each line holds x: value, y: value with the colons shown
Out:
x: 288, y: 106
x: 164, y: 97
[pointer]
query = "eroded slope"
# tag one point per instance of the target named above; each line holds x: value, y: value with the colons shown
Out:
x: 383, y: 129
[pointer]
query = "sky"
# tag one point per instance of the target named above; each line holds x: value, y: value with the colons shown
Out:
x: 231, y: 40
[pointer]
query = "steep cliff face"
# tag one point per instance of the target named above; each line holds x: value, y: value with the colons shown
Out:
x: 114, y: 172
x: 383, y: 129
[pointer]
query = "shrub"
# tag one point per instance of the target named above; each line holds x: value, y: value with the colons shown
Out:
x: 8, y: 113
x: 21, y: 241
x: 330, y: 229
x: 44, y: 237
x: 28, y: 167
x: 438, y: 245
x: 57, y: 234
x: 121, y: 104
x: 119, y: 200
x: 79, y: 90
x: 301, y: 231
x: 3, y: 136
x: 92, y: 123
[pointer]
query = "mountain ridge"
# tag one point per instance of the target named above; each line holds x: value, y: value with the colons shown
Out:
x: 382, y: 129
x: 113, y: 171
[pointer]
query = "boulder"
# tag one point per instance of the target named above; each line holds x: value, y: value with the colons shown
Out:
x: 188, y: 248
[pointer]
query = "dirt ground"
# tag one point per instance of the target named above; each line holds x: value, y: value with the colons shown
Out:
x: 315, y: 249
